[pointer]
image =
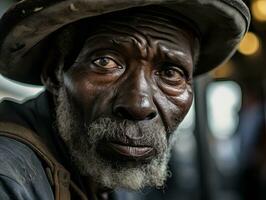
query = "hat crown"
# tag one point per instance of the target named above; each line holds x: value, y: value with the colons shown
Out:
x: 28, y: 23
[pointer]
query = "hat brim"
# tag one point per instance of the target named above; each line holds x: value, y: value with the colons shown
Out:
x: 222, y: 24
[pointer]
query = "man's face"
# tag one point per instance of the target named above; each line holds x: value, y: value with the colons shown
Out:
x: 123, y: 98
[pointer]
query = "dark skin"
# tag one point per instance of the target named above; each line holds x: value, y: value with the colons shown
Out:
x: 140, y: 72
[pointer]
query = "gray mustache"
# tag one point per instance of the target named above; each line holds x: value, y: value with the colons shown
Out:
x: 127, y: 132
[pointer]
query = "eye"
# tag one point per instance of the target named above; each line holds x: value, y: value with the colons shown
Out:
x: 106, y: 63
x: 172, y: 74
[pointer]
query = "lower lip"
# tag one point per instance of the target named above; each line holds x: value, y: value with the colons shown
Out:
x: 131, y: 151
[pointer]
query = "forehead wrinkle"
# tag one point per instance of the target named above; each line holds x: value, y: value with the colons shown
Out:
x: 141, y: 26
x: 171, y: 52
x: 139, y: 46
x: 105, y: 34
x: 139, y: 39
x: 176, y: 55
x: 170, y: 36
x: 166, y: 45
x: 146, y: 29
x: 161, y: 21
x: 167, y: 42
x: 125, y: 33
x: 123, y: 37
x: 148, y: 36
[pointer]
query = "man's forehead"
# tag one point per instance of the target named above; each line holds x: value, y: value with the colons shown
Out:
x: 157, y: 32
x: 163, y: 43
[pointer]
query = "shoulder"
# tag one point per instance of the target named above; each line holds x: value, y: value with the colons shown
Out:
x: 21, y: 171
x: 17, y: 160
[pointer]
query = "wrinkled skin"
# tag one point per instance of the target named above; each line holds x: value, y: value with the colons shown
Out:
x: 137, y: 75
x: 136, y: 72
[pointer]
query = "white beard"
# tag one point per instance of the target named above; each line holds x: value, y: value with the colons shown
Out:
x: 82, y: 148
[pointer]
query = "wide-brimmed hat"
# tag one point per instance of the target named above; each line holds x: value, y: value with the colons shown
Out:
x: 24, y: 27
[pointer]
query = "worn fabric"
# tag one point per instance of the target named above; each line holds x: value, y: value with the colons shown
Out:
x: 22, y: 176
x: 23, y: 172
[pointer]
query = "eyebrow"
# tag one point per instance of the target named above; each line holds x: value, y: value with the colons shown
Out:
x: 176, y: 55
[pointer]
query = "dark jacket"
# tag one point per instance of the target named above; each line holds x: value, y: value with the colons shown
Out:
x: 34, y: 162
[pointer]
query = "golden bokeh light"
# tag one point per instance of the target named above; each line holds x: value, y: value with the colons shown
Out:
x: 258, y: 9
x: 223, y: 71
x: 250, y: 44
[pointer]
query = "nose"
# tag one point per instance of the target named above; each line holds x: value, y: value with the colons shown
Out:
x: 135, y: 107
x: 134, y: 100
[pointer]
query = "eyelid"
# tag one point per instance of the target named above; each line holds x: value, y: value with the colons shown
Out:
x: 111, y: 54
x: 108, y: 57
x: 176, y: 67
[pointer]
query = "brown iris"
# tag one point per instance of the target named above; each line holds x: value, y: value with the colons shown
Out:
x: 106, y: 63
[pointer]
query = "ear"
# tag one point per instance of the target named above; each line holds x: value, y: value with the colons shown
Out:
x: 62, y: 54
x: 52, y: 71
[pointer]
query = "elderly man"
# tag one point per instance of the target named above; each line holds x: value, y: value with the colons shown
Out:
x: 118, y: 78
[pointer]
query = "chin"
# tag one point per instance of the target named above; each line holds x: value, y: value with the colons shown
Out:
x: 114, y: 174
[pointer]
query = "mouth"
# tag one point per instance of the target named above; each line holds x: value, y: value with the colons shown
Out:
x: 126, y: 151
x: 131, y: 151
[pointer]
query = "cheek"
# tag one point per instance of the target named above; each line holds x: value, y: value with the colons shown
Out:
x: 183, y: 99
x: 79, y: 87
x: 87, y: 96
x: 175, y: 107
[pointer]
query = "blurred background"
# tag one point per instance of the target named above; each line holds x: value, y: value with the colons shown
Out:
x: 220, y: 153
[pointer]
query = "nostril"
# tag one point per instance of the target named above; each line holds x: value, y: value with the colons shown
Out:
x: 123, y: 113
x: 134, y: 114
x: 151, y: 115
